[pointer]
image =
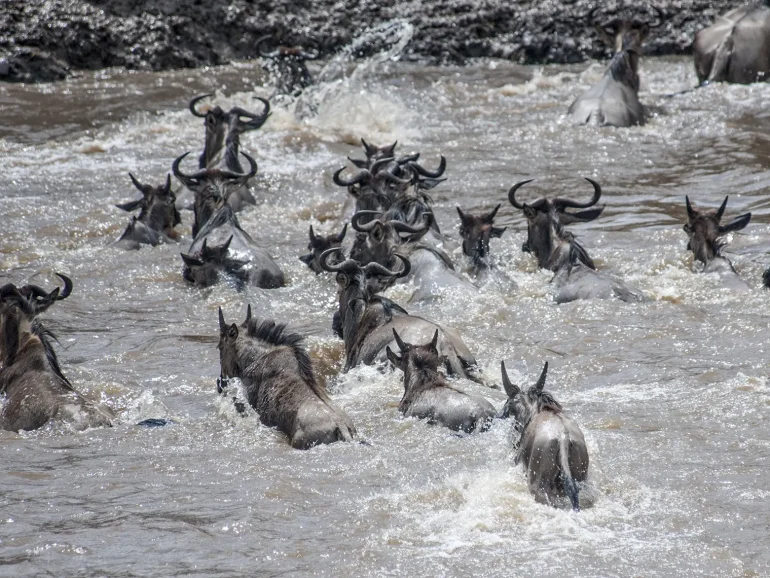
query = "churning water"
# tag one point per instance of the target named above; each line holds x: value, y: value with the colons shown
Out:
x: 672, y: 394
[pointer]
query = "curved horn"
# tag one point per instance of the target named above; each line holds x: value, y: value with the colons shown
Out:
x: 399, y: 341
x: 690, y: 211
x: 378, y: 164
x: 541, y: 380
x: 408, y: 158
x: 308, y: 55
x: 364, y: 228
x: 183, y: 177
x: 391, y: 178
x: 512, y: 193
x: 259, y: 44
x: 362, y: 176
x: 324, y: 261
x: 721, y: 210
x: 244, y: 176
x: 402, y: 227
x: 659, y: 14
x: 430, y: 174
x: 145, y: 189
x: 195, y: 101
x: 568, y: 203
x: 67, y: 287
x: 222, y: 324
x: 377, y: 269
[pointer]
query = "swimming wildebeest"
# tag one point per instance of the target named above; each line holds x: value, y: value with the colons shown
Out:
x: 212, y: 188
x: 704, y: 231
x: 382, y: 237
x: 558, y: 250
x: 278, y: 378
x: 287, y: 63
x: 157, y: 218
x: 614, y: 100
x: 365, y: 320
x: 551, y: 447
x: 736, y: 48
x: 320, y: 243
x: 221, y: 247
x: 428, y: 395
x: 36, y: 391
x: 476, y: 231
x: 226, y: 128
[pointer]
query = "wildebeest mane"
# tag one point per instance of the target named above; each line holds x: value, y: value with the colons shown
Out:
x: 276, y: 334
x: 544, y: 401
x: 45, y: 336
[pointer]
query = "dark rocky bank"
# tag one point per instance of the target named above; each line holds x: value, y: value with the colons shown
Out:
x: 45, y: 40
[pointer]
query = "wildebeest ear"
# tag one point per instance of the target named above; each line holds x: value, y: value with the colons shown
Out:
x: 434, y: 343
x: 311, y: 233
x: 566, y: 218
x: 232, y: 331
x: 511, y: 389
x: 222, y: 324
x: 538, y: 387
x: 691, y: 213
x: 736, y: 224
x: 462, y: 215
x: 167, y: 188
x: 497, y: 231
x: 341, y: 236
x: 130, y: 206
x: 191, y: 261
x: 394, y: 359
x: 389, y: 150
x: 306, y: 259
x: 248, y: 314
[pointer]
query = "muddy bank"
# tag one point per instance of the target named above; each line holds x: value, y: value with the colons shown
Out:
x: 45, y: 40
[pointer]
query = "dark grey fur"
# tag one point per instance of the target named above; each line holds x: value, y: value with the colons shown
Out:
x: 157, y: 218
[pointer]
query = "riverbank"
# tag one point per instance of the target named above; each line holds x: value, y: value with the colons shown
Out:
x: 47, y: 40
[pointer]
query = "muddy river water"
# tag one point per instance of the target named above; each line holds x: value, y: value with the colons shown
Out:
x: 672, y: 394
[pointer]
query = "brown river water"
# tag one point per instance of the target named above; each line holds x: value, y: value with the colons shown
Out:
x: 672, y: 394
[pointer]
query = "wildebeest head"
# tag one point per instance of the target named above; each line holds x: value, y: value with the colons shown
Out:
x: 158, y: 209
x: 415, y: 358
x: 547, y: 238
x: 704, y: 230
x: 221, y: 126
x: 319, y: 244
x: 476, y: 232
x: 625, y: 34
x: 228, y: 353
x: 204, y: 268
x: 356, y: 281
x: 32, y: 299
x: 380, y: 238
x: 523, y: 405
x: 374, y: 188
x: 211, y: 187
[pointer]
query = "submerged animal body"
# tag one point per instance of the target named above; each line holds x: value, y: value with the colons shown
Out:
x: 558, y: 250
x: 157, y: 218
x: 551, y: 448
x: 736, y: 48
x: 221, y: 247
x: 428, y: 395
x: 280, y: 385
x: 614, y: 100
x: 705, y: 233
x: 36, y: 391
x: 366, y: 321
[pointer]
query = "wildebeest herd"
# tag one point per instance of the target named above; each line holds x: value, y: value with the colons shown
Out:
x: 396, y: 238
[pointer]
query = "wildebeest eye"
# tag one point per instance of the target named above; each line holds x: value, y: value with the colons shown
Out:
x: 463, y: 231
x: 687, y: 229
x: 342, y: 279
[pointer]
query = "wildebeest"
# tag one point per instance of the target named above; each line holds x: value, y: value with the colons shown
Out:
x: 705, y: 231
x: 614, y: 100
x: 551, y: 447
x: 382, y: 237
x: 365, y: 320
x: 287, y: 63
x: 222, y: 247
x: 157, y: 218
x: 558, y: 250
x: 428, y: 395
x: 736, y: 48
x: 476, y: 231
x: 320, y: 243
x: 226, y: 128
x: 36, y: 391
x: 212, y: 188
x: 280, y: 385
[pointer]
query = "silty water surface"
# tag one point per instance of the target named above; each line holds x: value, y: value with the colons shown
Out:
x: 672, y: 394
